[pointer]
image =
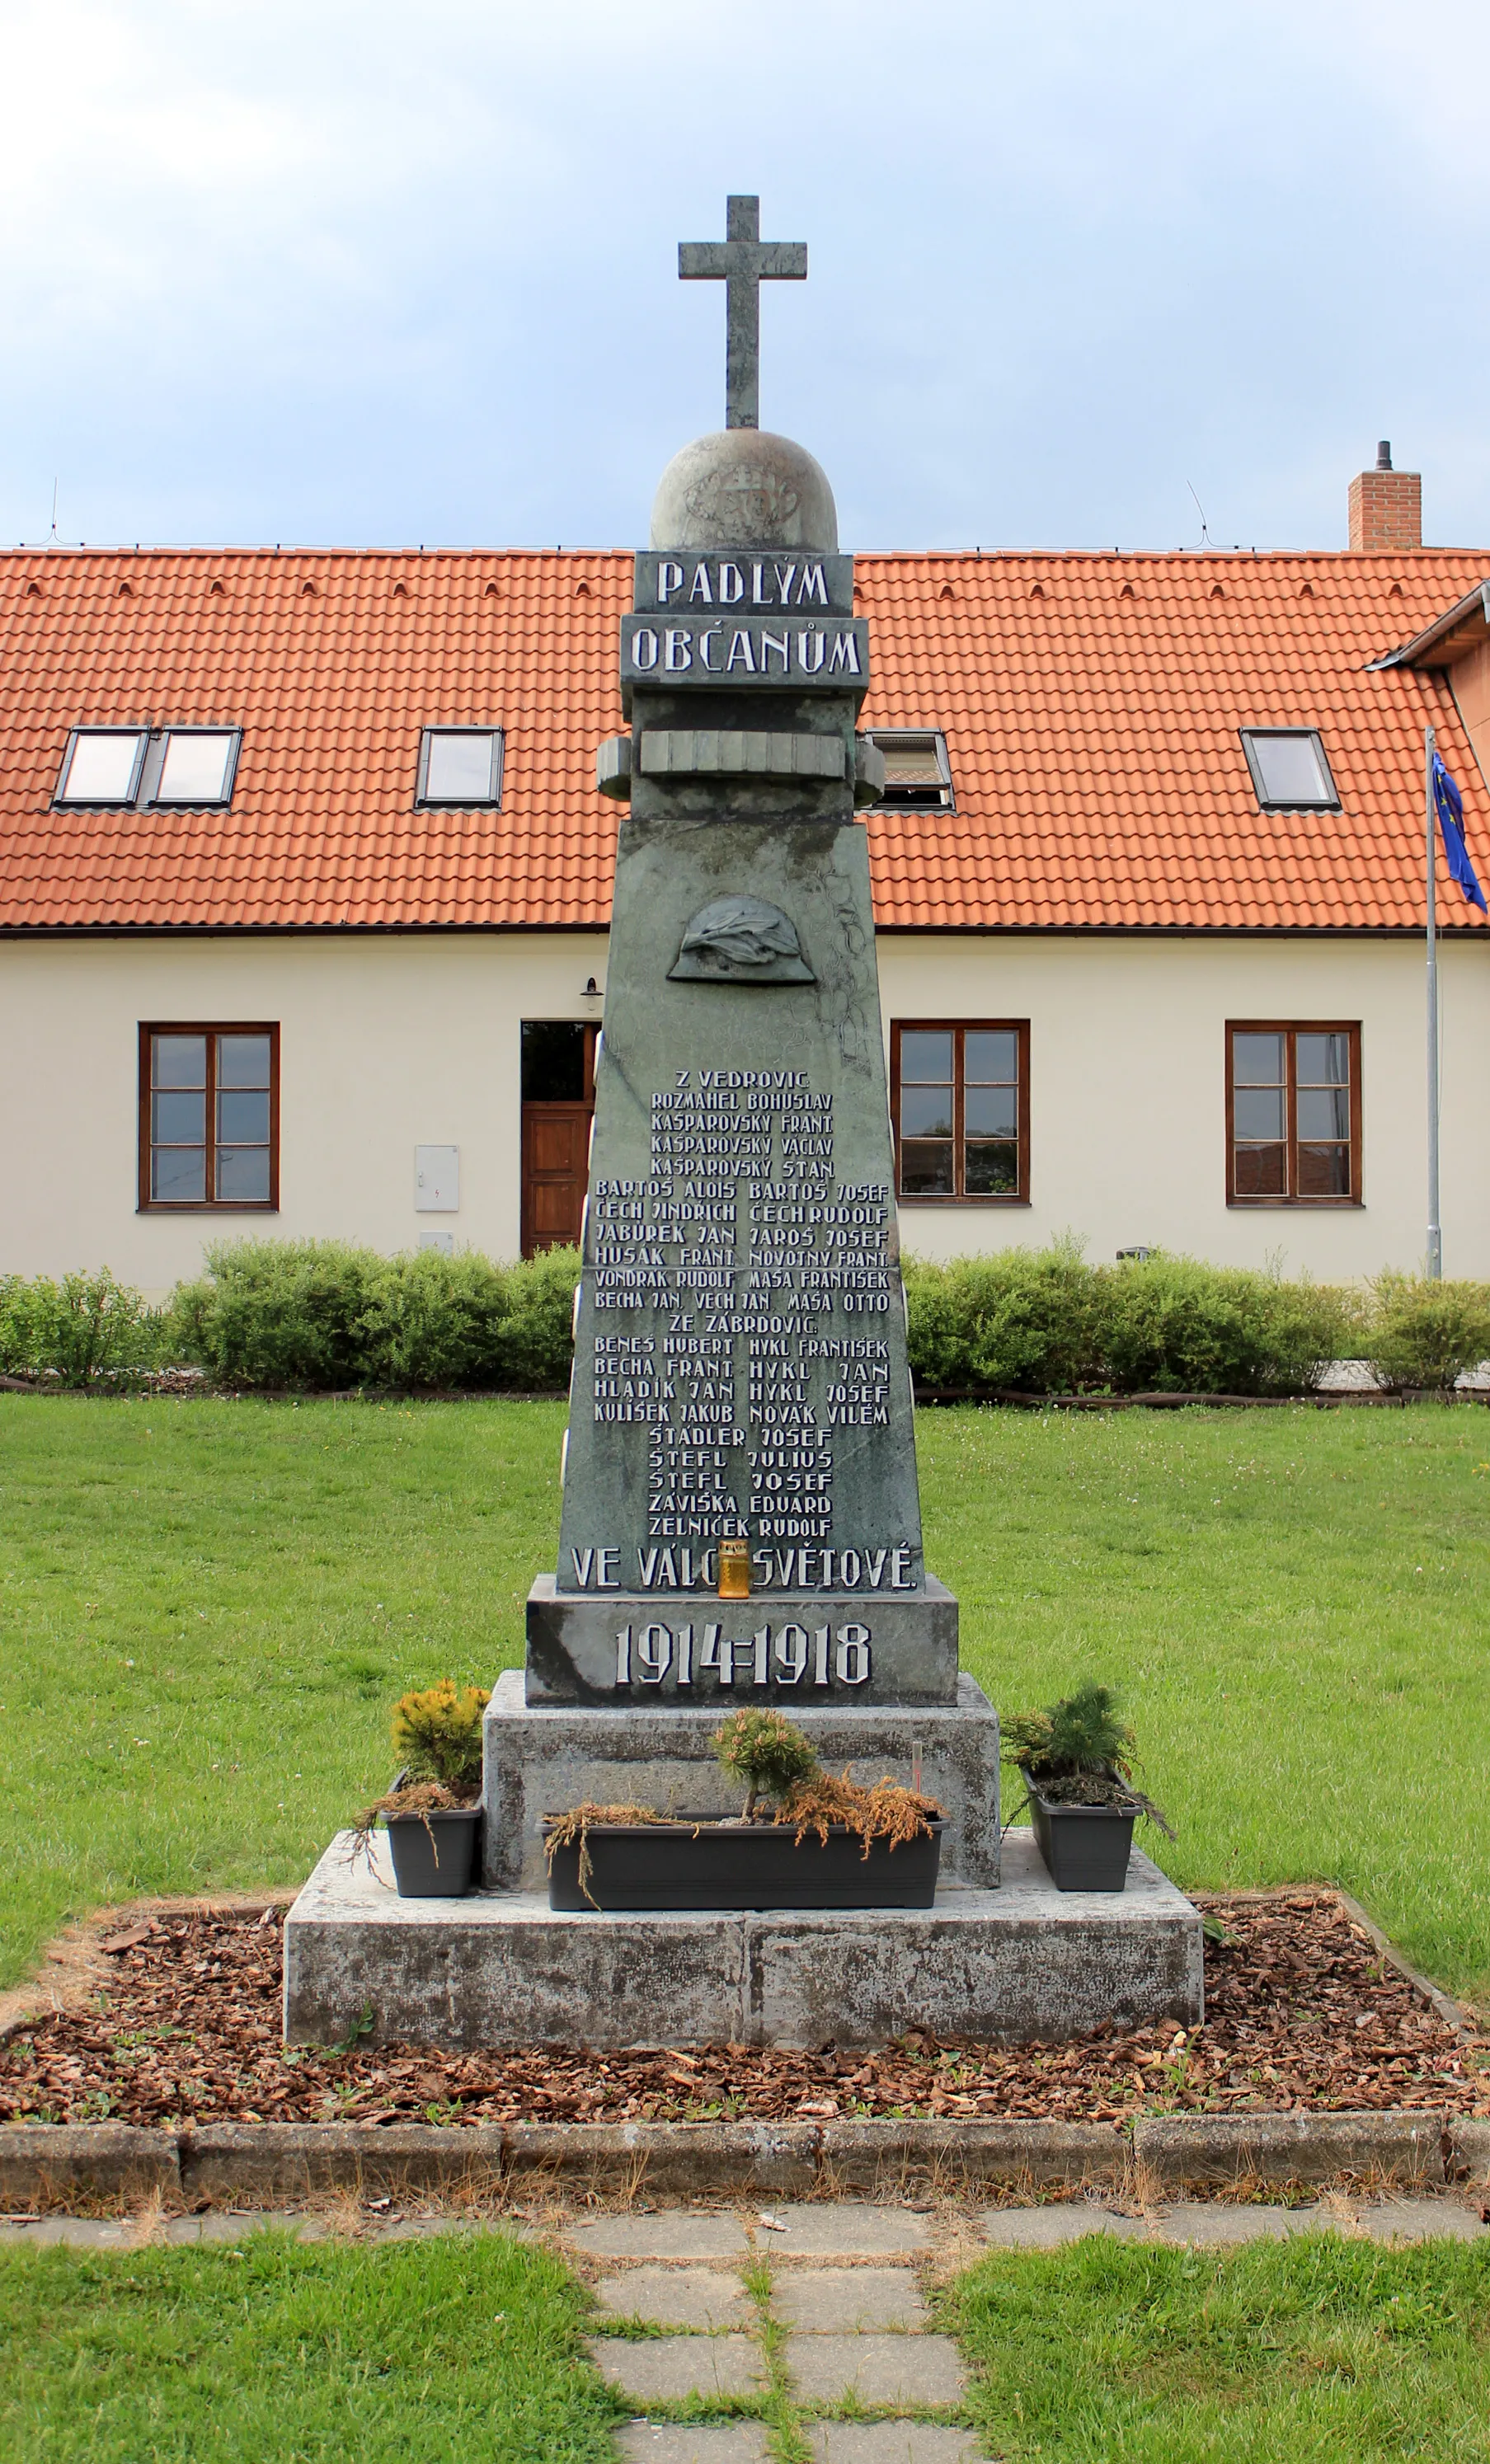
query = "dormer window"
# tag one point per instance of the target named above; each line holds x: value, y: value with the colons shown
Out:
x: 460, y: 767
x: 1289, y: 770
x: 918, y: 775
x: 103, y: 766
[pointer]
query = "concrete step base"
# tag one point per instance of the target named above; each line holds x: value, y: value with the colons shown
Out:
x: 1021, y: 1964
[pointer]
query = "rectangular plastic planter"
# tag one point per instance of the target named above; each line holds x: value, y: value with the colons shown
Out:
x: 439, y: 1868
x: 1085, y: 1847
x: 756, y: 1865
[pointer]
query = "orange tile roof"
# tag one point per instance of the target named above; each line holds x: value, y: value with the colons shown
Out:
x: 1090, y: 702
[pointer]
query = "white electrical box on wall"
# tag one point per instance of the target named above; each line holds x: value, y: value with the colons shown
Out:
x: 436, y: 1180
x: 443, y: 1241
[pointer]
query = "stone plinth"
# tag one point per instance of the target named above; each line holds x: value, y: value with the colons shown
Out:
x: 542, y: 1758
x: 1022, y: 1964
x: 796, y: 1649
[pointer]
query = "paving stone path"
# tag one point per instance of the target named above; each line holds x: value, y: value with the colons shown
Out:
x: 814, y: 2318
x: 809, y: 2323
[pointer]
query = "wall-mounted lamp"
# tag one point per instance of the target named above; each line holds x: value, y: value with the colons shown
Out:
x: 591, y: 989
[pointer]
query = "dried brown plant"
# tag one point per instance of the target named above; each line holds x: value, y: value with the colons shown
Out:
x: 886, y: 1810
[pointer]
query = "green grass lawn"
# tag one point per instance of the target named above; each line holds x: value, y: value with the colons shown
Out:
x: 415, y: 2353
x: 1296, y: 1605
x: 206, y: 1608
x: 1282, y: 2353
x: 466, y: 2349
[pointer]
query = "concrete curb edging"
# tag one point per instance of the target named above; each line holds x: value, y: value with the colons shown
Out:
x: 46, y: 2164
x: 1453, y: 2013
x: 1198, y: 2151
x: 278, y: 2160
x: 866, y: 2156
x: 53, y: 2166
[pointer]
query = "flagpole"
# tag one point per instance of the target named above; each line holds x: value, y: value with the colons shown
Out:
x: 1435, y: 1229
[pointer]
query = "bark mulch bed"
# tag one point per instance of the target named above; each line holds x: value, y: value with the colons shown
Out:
x: 1303, y: 2014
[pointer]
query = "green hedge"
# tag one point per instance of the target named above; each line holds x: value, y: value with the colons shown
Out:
x: 1427, y: 1334
x: 1174, y: 1326
x: 1043, y: 1322
x: 85, y: 1327
x: 278, y: 1312
x: 1023, y: 1318
x: 322, y: 1314
x: 317, y: 1315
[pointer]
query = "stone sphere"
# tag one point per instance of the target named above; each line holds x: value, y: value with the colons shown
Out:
x: 747, y: 488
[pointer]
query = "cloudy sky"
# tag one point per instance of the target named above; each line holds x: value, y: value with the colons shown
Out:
x: 366, y: 271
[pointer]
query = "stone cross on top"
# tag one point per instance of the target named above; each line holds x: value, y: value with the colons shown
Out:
x: 743, y: 261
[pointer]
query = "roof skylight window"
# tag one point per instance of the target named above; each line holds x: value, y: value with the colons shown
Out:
x: 918, y: 775
x: 459, y: 766
x: 102, y: 765
x: 1289, y: 770
x: 136, y: 767
x: 198, y: 766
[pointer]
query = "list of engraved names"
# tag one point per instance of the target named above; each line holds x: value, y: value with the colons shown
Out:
x: 741, y: 1295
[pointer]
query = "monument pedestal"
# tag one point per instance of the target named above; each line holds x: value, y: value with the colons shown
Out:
x: 542, y: 1758
x: 1002, y: 1957
x: 1024, y: 1962
x: 799, y: 1650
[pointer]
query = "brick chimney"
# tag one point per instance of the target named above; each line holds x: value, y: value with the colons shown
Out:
x: 1386, y: 508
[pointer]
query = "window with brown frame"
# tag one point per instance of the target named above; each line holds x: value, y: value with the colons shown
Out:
x: 960, y: 1105
x: 210, y: 1118
x: 1293, y: 1113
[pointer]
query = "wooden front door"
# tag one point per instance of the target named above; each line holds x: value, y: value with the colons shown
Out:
x: 558, y: 1105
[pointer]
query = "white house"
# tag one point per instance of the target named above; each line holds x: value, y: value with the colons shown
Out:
x: 304, y: 882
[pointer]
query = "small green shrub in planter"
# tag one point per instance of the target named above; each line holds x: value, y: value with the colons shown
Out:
x: 1427, y: 1334
x: 1077, y: 1762
x: 439, y: 1732
x: 433, y: 1810
x: 764, y: 1749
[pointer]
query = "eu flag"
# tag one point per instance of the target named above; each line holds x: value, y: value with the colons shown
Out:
x: 1449, y: 805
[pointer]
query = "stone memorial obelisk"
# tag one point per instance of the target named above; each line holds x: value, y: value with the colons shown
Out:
x: 740, y: 1518
x: 741, y: 1521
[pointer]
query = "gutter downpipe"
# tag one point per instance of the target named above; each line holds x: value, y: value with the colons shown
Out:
x: 1435, y: 1228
